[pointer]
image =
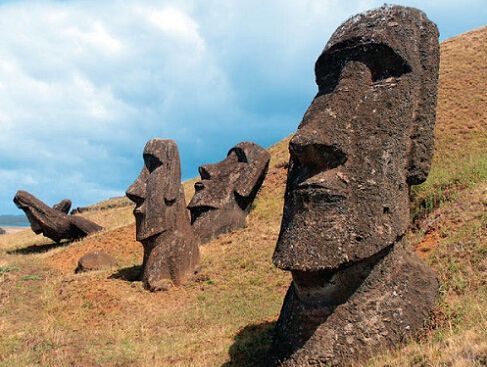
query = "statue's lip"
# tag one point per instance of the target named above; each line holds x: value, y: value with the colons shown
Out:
x: 198, y: 210
x: 316, y: 187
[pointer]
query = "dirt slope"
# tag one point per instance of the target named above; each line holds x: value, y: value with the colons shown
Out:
x: 224, y: 316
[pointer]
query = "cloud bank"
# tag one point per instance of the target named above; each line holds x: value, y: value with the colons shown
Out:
x: 83, y: 85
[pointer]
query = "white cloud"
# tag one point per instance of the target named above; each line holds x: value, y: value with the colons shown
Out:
x: 83, y: 85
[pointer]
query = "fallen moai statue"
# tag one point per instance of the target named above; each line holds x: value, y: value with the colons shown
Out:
x: 171, y: 252
x: 224, y: 195
x: 53, y: 223
x: 366, y: 138
x: 63, y: 206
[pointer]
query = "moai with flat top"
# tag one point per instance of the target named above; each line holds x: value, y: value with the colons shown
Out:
x: 51, y: 222
x: 224, y: 195
x: 171, y: 252
x: 366, y: 138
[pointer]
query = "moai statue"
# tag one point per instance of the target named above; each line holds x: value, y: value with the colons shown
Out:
x: 224, y: 195
x: 171, y: 251
x: 51, y: 222
x: 365, y: 139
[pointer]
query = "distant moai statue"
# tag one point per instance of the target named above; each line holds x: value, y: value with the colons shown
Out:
x: 365, y: 139
x: 224, y: 195
x: 171, y: 252
x: 53, y: 222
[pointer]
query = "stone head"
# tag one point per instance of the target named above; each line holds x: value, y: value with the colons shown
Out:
x: 227, y: 188
x: 157, y: 189
x: 367, y: 136
x: 39, y: 214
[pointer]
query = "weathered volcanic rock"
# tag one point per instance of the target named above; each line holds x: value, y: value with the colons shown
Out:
x: 224, y: 195
x: 63, y: 206
x: 2, y: 231
x: 53, y: 223
x: 365, y: 139
x: 171, y: 252
x: 95, y: 261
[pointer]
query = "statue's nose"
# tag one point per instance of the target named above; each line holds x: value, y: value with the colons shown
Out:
x: 136, y: 192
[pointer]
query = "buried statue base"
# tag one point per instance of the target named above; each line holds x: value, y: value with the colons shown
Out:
x: 335, y: 319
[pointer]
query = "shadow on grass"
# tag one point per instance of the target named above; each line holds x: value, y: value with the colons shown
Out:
x: 38, y: 249
x: 251, y: 346
x: 130, y: 274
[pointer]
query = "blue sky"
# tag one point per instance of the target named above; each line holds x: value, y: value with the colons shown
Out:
x: 84, y: 84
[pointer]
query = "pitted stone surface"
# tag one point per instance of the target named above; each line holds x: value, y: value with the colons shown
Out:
x: 367, y: 136
x: 171, y: 252
x: 51, y: 222
x: 224, y: 195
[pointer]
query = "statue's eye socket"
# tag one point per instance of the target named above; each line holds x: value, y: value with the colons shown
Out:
x: 381, y: 59
x: 151, y: 162
x: 239, y: 153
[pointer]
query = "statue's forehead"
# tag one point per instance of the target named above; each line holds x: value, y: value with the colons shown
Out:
x: 161, y: 149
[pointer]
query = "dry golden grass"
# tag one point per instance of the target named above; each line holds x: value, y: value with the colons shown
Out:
x: 224, y: 316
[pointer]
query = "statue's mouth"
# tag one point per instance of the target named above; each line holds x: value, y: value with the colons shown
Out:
x: 318, y: 192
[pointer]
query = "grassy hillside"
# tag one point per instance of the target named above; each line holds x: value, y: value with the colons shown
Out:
x: 224, y: 316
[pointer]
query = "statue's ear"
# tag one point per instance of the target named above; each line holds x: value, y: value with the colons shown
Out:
x: 173, y: 172
x: 422, y: 129
x: 173, y: 178
x: 257, y: 162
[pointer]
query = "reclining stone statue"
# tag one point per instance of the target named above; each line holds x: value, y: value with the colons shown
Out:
x: 171, y: 252
x: 366, y: 138
x: 224, y: 195
x: 53, y: 223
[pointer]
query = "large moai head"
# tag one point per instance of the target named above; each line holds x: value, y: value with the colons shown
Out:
x: 225, y: 193
x: 171, y: 251
x: 365, y: 139
x: 367, y: 136
x: 157, y: 189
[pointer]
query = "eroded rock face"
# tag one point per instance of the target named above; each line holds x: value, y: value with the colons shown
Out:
x: 51, y: 222
x: 171, y: 252
x: 367, y: 136
x: 63, y: 206
x: 224, y: 195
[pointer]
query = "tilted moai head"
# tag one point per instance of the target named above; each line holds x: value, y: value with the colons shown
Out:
x: 53, y: 222
x: 225, y: 193
x: 365, y: 139
x: 162, y: 223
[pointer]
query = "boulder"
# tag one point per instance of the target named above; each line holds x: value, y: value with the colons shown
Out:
x: 95, y: 261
